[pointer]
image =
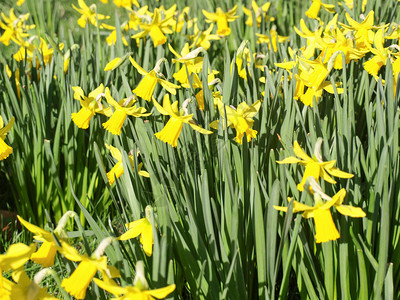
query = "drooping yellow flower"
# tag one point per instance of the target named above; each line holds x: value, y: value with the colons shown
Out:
x: 14, y: 28
x: 77, y: 284
x: 47, y: 251
x: 126, y: 3
x: 148, y: 83
x: 88, y: 14
x: 157, y: 28
x: 90, y: 106
x: 222, y: 19
x: 118, y: 169
x: 240, y: 119
x: 315, y: 167
x: 171, y: 131
x: 122, y: 109
x: 5, y: 150
x: 325, y: 229
x: 272, y: 39
x: 259, y: 12
x: 313, y: 11
x: 203, y: 38
x: 140, y: 290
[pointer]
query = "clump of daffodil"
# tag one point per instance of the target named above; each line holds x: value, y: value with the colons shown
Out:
x: 315, y: 167
x: 313, y: 11
x: 88, y: 14
x: 77, y: 284
x: 272, y: 39
x: 170, y: 133
x: 140, y: 290
x: 143, y: 228
x: 148, y: 83
x: 259, y: 12
x: 14, y: 28
x: 118, y: 168
x: 122, y: 109
x: 157, y: 28
x: 5, y: 150
x: 222, y: 19
x: 46, y: 253
x: 325, y: 229
x: 240, y: 119
x: 90, y: 106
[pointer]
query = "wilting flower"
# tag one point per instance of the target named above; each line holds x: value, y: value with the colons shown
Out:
x: 140, y: 290
x: 315, y: 167
x: 171, y: 131
x: 47, y: 251
x: 122, y: 109
x: 222, y: 19
x: 5, y: 150
x: 118, y: 168
x: 240, y: 119
x: 148, y: 83
x: 156, y: 29
x: 88, y: 14
x: 90, y: 106
x: 77, y: 284
x: 325, y: 229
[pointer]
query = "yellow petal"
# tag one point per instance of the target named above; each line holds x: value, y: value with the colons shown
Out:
x: 77, y: 284
x: 351, y: 211
x: 113, y: 64
x: 325, y: 229
x: 162, y: 292
x: 289, y: 160
x: 134, y: 229
x: 300, y: 153
x: 170, y: 133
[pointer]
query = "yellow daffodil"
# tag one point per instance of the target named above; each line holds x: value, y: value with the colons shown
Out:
x: 47, y: 251
x: 272, y: 39
x: 122, y: 109
x: 315, y: 166
x: 243, y: 60
x: 126, y: 3
x: 313, y: 11
x: 325, y: 229
x: 170, y: 133
x: 88, y: 14
x: 143, y: 228
x: 112, y: 38
x: 211, y: 82
x: 5, y: 150
x: 14, y: 28
x: 203, y: 38
x: 147, y: 85
x: 77, y: 284
x: 222, y: 19
x: 259, y: 12
x: 25, y: 288
x: 157, y: 28
x: 90, y: 106
x: 240, y: 119
x: 182, y: 19
x: 140, y: 290
x: 118, y: 169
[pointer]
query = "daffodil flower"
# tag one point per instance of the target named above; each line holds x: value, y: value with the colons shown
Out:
x: 259, y: 12
x: 77, y: 284
x: 148, y: 83
x: 325, y: 229
x: 315, y: 167
x: 88, y: 14
x: 47, y: 251
x: 126, y: 3
x: 240, y: 119
x: 5, y: 150
x: 122, y: 109
x: 140, y: 290
x: 170, y: 133
x: 272, y: 39
x: 14, y: 28
x: 313, y: 11
x: 222, y: 19
x: 118, y: 169
x: 157, y: 28
x: 203, y: 38
x: 90, y: 106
